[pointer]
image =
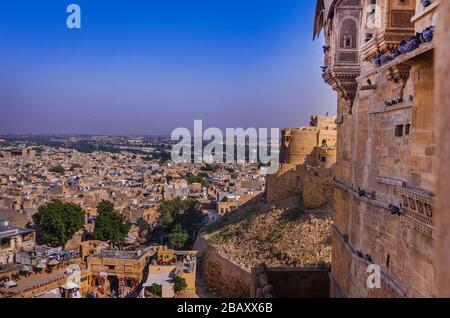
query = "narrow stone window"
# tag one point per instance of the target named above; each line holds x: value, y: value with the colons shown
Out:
x: 407, y: 129
x: 348, y: 41
x: 388, y: 261
x: 399, y: 131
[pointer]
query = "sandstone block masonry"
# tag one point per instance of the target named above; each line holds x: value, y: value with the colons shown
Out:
x: 384, y: 202
x: 442, y: 69
x: 230, y: 280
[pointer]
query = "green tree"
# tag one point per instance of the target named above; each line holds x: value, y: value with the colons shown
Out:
x: 57, y: 169
x: 178, y: 211
x: 179, y: 284
x: 104, y: 207
x: 209, y: 167
x: 57, y: 222
x: 197, y: 179
x: 169, y: 209
x: 156, y: 290
x: 187, y: 213
x: 109, y: 225
x: 178, y: 237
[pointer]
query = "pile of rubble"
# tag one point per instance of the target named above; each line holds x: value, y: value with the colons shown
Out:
x: 281, y: 234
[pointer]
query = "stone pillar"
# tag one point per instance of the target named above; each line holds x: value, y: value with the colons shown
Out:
x: 442, y: 211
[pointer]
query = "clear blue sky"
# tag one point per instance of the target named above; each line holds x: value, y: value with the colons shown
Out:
x: 147, y: 67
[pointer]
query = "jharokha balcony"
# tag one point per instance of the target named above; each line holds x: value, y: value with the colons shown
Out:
x: 341, y: 67
x: 417, y: 47
x: 386, y: 23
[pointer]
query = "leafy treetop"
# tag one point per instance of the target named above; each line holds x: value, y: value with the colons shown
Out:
x: 110, y: 225
x: 57, y: 222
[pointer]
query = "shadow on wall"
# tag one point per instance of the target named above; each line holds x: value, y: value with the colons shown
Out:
x: 286, y: 282
x: 227, y: 278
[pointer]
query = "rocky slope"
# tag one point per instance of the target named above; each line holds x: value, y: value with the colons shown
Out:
x: 281, y: 234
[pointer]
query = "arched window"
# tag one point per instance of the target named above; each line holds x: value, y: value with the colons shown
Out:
x: 348, y: 34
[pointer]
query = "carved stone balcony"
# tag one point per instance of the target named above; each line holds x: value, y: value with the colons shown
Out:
x: 343, y: 79
x: 398, y: 69
x: 396, y: 26
x: 384, y: 41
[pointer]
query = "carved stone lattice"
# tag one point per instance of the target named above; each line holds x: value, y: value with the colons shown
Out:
x: 402, y: 18
x: 417, y: 211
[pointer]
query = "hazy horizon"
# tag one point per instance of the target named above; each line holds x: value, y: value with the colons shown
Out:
x: 147, y: 67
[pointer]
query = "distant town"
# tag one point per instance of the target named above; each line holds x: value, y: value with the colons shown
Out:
x: 129, y: 204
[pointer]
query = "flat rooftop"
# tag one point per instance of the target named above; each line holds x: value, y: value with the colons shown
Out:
x: 8, y: 231
x: 132, y: 255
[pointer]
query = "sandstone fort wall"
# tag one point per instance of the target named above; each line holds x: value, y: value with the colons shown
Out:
x: 282, y: 185
x: 227, y: 278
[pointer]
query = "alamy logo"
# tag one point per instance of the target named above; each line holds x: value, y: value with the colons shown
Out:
x: 374, y: 279
x: 74, y: 19
x: 241, y: 146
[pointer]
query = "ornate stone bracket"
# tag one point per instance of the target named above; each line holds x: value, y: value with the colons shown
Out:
x: 343, y: 81
x: 398, y: 73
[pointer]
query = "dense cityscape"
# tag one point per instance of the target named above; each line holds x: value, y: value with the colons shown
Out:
x: 131, y: 177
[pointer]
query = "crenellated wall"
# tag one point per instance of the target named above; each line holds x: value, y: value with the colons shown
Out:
x: 307, y: 160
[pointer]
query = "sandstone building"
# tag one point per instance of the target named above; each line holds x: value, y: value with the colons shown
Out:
x: 12, y: 240
x: 379, y: 58
x: 121, y: 271
x: 298, y: 143
x: 307, y: 157
x: 442, y: 97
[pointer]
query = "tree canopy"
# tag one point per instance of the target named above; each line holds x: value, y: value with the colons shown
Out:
x: 57, y: 222
x: 162, y: 156
x: 178, y: 237
x: 110, y: 225
x: 185, y: 213
x: 179, y: 211
x: 209, y: 167
x: 179, y: 284
x: 57, y: 169
x: 197, y: 179
x: 156, y: 290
